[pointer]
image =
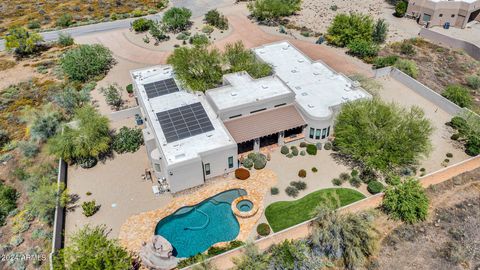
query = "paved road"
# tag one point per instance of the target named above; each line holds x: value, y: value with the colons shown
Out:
x: 198, y: 8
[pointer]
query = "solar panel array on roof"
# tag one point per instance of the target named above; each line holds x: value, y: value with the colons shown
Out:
x: 184, y: 122
x: 160, y: 88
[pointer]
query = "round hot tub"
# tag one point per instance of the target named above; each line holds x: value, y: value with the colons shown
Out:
x: 245, y: 205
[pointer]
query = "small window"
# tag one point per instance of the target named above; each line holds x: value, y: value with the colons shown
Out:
x: 259, y: 110
x: 235, y: 116
x: 157, y: 167
x: 230, y: 162
x: 324, y: 133
x: 207, y: 168
x: 453, y: 16
x: 317, y: 134
x: 440, y: 15
x: 312, y: 133
x: 279, y: 105
x: 328, y: 131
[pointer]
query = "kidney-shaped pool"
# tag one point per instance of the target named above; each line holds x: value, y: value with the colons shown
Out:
x: 194, y: 229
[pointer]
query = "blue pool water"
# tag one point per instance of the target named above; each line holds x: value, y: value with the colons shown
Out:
x: 244, y: 205
x: 194, y: 229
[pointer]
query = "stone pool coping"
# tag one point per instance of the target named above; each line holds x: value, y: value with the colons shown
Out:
x: 245, y: 214
x: 140, y: 228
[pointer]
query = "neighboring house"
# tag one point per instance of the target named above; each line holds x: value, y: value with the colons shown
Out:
x: 457, y: 13
x: 191, y: 137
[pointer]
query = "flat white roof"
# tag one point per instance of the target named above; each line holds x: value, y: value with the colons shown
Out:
x: 188, y: 148
x: 243, y: 89
x: 317, y: 87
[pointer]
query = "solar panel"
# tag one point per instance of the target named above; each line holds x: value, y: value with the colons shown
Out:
x: 160, y: 88
x: 184, y: 122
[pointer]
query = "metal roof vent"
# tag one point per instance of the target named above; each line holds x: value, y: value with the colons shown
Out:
x: 316, y: 73
x: 355, y: 84
x: 304, y: 94
x: 179, y: 156
x: 311, y: 106
x: 233, y: 94
x: 301, y: 60
x: 294, y: 71
x: 264, y: 86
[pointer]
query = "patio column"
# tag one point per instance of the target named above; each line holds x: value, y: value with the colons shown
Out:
x: 281, y: 135
x: 256, y: 145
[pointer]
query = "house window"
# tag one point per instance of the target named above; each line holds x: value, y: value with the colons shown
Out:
x: 324, y: 133
x: 157, y: 167
x: 259, y: 110
x: 279, y: 105
x: 453, y: 16
x: 235, y: 116
x: 312, y: 133
x: 317, y: 134
x: 230, y: 162
x: 207, y: 168
x: 426, y: 17
x: 328, y: 131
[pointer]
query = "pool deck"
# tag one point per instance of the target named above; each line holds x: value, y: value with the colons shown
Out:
x: 139, y: 229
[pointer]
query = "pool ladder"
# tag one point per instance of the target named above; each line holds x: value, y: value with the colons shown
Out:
x: 199, y: 227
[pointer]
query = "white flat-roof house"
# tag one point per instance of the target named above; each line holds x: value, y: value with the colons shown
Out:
x: 191, y: 137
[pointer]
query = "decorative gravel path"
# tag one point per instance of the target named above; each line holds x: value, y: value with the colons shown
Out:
x: 140, y: 228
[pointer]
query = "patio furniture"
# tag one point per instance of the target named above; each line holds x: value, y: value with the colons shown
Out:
x: 156, y: 190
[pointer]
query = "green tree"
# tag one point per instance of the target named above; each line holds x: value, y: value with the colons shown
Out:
x: 90, y: 248
x: 347, y: 237
x: 22, y: 42
x: 43, y: 199
x: 86, y: 61
x: 273, y: 9
x: 177, y: 19
x: 380, y: 31
x: 113, y: 96
x: 127, y: 140
x: 382, y: 136
x: 401, y: 8
x: 458, y: 95
x: 241, y: 59
x: 213, y: 17
x: 251, y: 259
x: 406, y: 201
x: 8, y: 201
x: 363, y: 49
x: 347, y: 28
x: 88, y: 138
x: 198, y: 68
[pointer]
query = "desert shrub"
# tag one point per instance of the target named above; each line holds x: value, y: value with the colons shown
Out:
x: 90, y: 139
x: 213, y: 251
x: 458, y: 95
x: 86, y: 61
x: 327, y: 146
x: 407, y: 48
x: 43, y: 199
x: 247, y: 163
x: 293, y: 254
x: 213, y: 17
x: 367, y: 175
x: 302, y: 153
x: 274, y: 191
x: 311, y: 149
x: 474, y: 82
x: 141, y: 25
x: 70, y: 99
x: 408, y: 67
x: 65, y: 20
x: 347, y: 28
x: 300, y: 185
x: 314, y: 169
x: 21, y: 222
x: 90, y: 208
x: 401, y: 8
x: 241, y: 59
x: 199, y: 40
x: 259, y: 163
x: 355, y: 182
x: 183, y: 36
x: 472, y: 146
x: 251, y: 259
x: 363, y: 49
x: 344, y: 177
x: 284, y: 150
x: 370, y: 132
x: 127, y: 140
x: 29, y: 149
x: 289, y: 155
x: 113, y: 96
x: 455, y: 136
x: 157, y: 31
x: 263, y: 229
x: 190, y: 63
x: 406, y: 201
x: 33, y: 24
x: 129, y: 88
x: 4, y: 138
x: 303, y: 144
x: 41, y: 234
x: 42, y: 123
x: 65, y: 40
x: 177, y: 19
x: 354, y: 173
x: 386, y: 61
x: 91, y: 246
x: 294, y: 151
x: 291, y: 191
x: 337, y: 182
x: 375, y: 187
x: 380, y: 31
x: 22, y: 42
x: 208, y: 29
x: 242, y: 174
x: 393, y: 179
x: 449, y: 155
x: 8, y: 201
x: 16, y: 240
x: 273, y: 9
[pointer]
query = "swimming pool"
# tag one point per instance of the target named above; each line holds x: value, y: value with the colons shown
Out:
x: 194, y: 229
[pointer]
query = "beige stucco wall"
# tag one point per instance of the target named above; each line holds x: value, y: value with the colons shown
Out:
x: 456, y: 13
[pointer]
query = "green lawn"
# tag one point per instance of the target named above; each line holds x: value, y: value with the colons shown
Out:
x: 281, y: 215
